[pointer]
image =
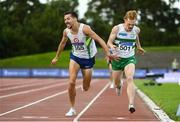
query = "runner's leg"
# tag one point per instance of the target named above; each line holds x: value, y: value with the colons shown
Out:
x: 73, y: 71
x: 129, y: 73
x: 87, y: 75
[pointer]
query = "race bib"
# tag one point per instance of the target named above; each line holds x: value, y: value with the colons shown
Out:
x: 125, y: 46
x: 78, y: 46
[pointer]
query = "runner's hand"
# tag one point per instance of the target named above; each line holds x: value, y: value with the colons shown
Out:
x: 54, y: 61
x: 141, y: 51
x: 113, y: 55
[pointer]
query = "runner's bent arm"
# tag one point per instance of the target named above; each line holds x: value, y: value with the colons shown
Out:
x: 138, y: 44
x: 60, y: 47
x: 112, y: 37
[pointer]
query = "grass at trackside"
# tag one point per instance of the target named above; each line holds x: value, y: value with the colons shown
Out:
x: 167, y: 96
x: 37, y: 60
x: 43, y: 61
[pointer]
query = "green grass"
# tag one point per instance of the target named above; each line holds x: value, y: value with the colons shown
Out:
x: 44, y: 61
x: 167, y: 96
x: 37, y: 60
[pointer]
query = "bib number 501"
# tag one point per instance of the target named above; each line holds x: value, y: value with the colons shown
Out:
x: 124, y: 47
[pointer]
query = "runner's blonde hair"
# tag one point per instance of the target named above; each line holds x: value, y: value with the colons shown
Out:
x: 131, y: 14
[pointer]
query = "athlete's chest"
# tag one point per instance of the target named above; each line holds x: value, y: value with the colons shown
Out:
x: 126, y: 35
x: 77, y: 39
x: 125, y: 40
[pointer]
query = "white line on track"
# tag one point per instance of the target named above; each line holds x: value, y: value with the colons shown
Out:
x: 15, y: 82
x: 35, y: 117
x: 32, y: 90
x: 27, y: 85
x: 92, y: 101
x: 33, y: 103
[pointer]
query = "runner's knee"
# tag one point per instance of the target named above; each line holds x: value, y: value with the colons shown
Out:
x: 129, y: 79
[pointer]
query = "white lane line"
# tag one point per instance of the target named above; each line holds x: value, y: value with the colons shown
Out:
x: 22, y: 86
x: 33, y: 103
x: 92, y: 101
x: 35, y: 117
x: 32, y: 90
x: 15, y: 82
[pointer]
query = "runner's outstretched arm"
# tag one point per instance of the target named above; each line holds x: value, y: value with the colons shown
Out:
x: 60, y: 48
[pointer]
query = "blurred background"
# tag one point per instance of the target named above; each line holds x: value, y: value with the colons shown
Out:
x: 35, y: 27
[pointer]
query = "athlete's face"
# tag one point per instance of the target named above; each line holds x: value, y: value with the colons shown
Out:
x: 69, y: 20
x: 129, y: 24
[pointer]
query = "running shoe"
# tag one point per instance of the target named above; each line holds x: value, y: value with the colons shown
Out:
x: 111, y: 85
x: 131, y: 108
x: 71, y: 112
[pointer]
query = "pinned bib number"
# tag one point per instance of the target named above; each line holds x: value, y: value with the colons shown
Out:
x: 125, y: 48
x: 79, y: 47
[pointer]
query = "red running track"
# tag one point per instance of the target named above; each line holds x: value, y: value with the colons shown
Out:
x: 46, y: 99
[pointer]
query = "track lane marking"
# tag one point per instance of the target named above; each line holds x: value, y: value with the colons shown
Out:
x: 41, y: 100
x: 32, y: 90
x: 24, y: 86
x: 92, y: 101
x: 15, y: 82
x: 35, y: 102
